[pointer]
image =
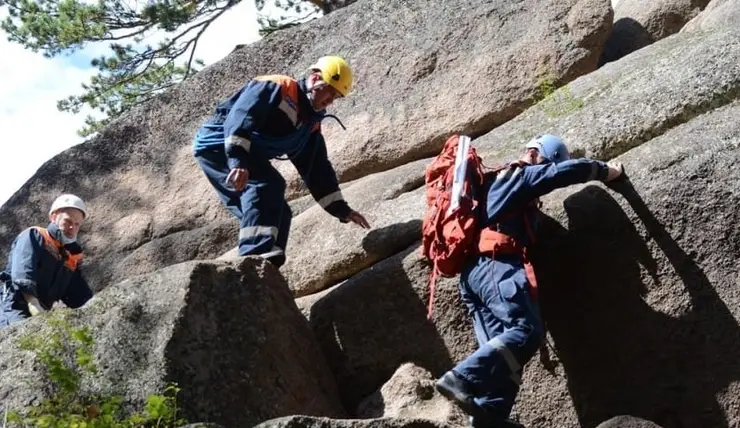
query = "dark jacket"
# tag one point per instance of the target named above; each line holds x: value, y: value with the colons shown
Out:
x: 40, y: 265
x: 511, y: 192
x: 271, y: 116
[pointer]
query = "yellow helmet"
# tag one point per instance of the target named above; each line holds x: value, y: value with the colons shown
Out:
x: 336, y: 72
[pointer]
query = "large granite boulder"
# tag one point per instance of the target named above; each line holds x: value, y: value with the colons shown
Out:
x: 412, y: 60
x: 410, y: 394
x: 638, y: 23
x: 601, y: 115
x: 376, y: 321
x: 627, y: 422
x: 314, y: 422
x: 639, y: 283
x: 228, y: 333
x: 718, y: 13
x: 631, y: 101
x: 322, y: 253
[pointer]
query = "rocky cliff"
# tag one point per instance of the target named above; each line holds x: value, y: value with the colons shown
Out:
x: 639, y: 279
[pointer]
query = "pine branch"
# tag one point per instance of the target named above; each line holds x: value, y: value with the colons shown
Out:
x: 131, y: 73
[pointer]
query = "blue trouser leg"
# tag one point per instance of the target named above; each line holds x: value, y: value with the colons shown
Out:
x: 214, y: 166
x: 264, y: 215
x: 13, y: 308
x: 265, y: 222
x: 286, y: 215
x: 508, y: 328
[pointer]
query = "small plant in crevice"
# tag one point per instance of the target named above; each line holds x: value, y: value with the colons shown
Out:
x: 554, y: 101
x: 66, y: 356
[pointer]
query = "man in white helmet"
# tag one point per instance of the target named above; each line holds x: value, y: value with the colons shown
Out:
x: 44, y: 265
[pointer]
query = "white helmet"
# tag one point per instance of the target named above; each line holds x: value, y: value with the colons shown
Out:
x: 68, y: 201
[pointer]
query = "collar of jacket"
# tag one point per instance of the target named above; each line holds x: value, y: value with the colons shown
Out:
x: 56, y: 233
x: 305, y: 104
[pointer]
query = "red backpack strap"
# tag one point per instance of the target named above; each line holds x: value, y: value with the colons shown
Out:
x: 432, y: 285
x: 492, y: 240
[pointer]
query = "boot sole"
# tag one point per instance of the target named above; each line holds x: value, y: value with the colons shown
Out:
x: 466, y: 406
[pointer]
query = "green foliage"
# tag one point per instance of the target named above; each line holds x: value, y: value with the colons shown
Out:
x: 553, y: 101
x: 66, y: 355
x: 300, y: 10
x: 134, y: 71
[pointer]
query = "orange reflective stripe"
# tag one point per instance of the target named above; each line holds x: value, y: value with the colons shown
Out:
x: 51, y: 244
x: 289, y: 93
x: 529, y: 270
x: 73, y: 260
x: 288, y: 85
x: 56, y: 248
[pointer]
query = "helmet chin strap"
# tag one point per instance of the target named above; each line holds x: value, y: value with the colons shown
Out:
x: 312, y: 88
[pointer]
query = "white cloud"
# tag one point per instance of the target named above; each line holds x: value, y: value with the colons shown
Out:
x: 33, y: 130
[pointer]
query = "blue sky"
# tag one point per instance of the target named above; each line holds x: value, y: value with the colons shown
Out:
x: 33, y: 130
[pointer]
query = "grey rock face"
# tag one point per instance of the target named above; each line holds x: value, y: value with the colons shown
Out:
x: 627, y: 422
x: 647, y: 286
x: 228, y: 333
x: 410, y: 394
x: 600, y: 115
x: 639, y: 23
x: 142, y: 184
x: 718, y: 13
x: 377, y: 320
x: 312, y: 422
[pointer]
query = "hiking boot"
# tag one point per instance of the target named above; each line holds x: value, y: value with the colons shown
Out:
x: 456, y: 389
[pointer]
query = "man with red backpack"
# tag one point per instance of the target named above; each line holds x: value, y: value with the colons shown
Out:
x: 497, y: 283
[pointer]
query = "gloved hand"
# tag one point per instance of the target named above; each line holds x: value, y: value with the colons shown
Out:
x: 34, y: 306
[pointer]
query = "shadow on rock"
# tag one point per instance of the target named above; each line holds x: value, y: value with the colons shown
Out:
x: 374, y: 322
x: 393, y: 238
x: 662, y: 355
x: 626, y: 37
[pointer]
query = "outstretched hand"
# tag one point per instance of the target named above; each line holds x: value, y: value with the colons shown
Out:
x: 358, y: 219
x: 616, y: 169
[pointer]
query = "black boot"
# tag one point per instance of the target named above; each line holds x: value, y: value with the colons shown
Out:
x: 456, y: 389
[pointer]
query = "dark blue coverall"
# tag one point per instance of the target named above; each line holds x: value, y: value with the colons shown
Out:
x: 269, y: 117
x: 41, y: 266
x: 497, y: 292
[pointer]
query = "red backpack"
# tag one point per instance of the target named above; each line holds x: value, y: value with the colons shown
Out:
x: 450, y: 233
x: 450, y: 229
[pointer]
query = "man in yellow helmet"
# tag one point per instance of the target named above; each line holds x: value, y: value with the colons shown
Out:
x: 268, y: 118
